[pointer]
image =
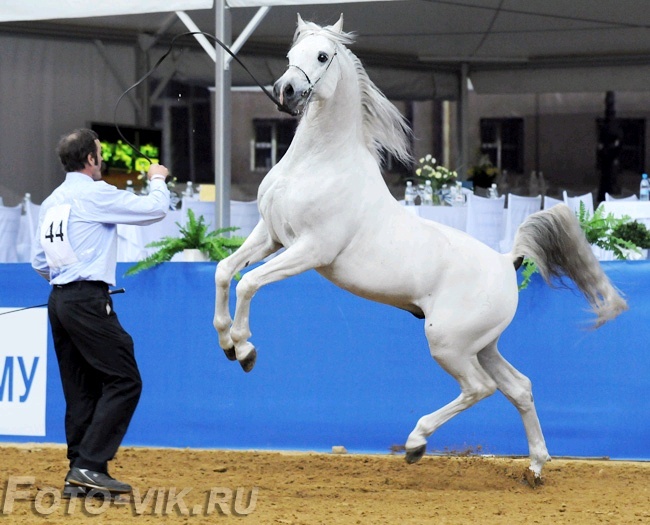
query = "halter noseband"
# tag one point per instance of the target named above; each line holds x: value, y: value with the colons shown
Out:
x: 307, y: 93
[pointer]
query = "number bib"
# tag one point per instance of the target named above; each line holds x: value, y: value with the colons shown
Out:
x: 54, y: 237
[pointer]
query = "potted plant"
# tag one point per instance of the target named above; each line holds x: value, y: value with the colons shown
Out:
x: 194, y: 237
x: 484, y: 173
x: 636, y: 233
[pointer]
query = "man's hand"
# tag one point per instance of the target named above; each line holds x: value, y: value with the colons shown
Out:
x: 157, y: 171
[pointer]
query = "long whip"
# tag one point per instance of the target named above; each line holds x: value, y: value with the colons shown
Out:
x: 281, y: 107
x: 110, y: 292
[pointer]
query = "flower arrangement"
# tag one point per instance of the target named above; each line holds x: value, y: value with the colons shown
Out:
x: 429, y: 169
x: 484, y: 173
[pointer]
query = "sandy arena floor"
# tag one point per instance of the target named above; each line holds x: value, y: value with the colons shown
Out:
x: 189, y: 486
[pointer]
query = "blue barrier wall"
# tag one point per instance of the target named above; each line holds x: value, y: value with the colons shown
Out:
x: 334, y: 369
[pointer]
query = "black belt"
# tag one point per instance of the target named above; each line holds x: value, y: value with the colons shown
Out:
x: 82, y: 284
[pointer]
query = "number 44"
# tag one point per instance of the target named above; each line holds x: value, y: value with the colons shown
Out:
x: 51, y: 233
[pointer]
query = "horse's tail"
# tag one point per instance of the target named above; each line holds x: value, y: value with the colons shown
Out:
x: 554, y: 240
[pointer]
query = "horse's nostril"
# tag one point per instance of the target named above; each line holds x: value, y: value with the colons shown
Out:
x: 288, y: 91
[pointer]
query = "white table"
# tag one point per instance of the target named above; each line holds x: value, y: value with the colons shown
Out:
x: 454, y: 216
x: 132, y: 240
x: 636, y: 210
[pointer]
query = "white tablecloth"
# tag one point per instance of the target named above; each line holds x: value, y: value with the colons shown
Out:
x: 454, y: 216
x: 15, y: 243
x: 132, y: 240
x: 637, y: 210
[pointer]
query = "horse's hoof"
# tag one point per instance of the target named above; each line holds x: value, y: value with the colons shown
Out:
x: 248, y: 362
x: 532, y: 479
x: 231, y: 354
x: 414, y: 455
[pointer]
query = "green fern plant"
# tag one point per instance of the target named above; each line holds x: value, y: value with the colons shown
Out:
x: 601, y: 230
x: 194, y: 235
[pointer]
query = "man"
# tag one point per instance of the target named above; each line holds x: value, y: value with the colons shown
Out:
x: 76, y: 252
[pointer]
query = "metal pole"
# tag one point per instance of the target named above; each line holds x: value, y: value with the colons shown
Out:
x: 463, y: 123
x: 222, y: 117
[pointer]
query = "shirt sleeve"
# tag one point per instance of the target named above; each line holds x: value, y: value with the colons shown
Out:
x: 39, y: 262
x: 110, y: 205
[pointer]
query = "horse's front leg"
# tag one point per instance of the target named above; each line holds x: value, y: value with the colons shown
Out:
x: 257, y: 246
x: 294, y: 260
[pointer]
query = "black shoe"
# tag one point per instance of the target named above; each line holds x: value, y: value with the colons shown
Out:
x: 73, y: 491
x: 96, y: 480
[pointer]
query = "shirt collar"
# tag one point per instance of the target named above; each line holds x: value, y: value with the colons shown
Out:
x: 75, y: 176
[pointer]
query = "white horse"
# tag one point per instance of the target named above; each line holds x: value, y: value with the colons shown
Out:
x: 327, y: 204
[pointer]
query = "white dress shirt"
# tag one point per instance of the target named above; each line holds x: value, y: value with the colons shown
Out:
x: 95, y: 209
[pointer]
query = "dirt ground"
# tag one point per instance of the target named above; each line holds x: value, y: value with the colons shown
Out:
x: 191, y: 486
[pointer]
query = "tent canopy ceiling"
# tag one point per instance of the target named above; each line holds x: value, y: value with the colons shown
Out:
x: 509, y: 45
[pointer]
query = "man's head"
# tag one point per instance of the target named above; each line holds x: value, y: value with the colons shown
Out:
x: 81, y: 151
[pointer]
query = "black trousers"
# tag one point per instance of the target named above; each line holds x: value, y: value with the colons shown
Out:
x: 100, y: 377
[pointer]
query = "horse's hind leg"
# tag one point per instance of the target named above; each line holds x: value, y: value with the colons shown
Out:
x: 475, y: 384
x: 257, y: 246
x: 518, y: 389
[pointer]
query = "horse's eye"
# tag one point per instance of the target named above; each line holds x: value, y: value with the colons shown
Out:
x: 322, y: 57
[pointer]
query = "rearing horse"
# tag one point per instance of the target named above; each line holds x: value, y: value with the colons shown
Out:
x: 326, y: 203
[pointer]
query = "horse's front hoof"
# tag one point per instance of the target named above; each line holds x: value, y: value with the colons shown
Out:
x: 414, y: 455
x: 533, y: 480
x: 248, y: 362
x: 231, y: 354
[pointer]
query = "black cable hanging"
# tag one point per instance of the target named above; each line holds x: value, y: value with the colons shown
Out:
x: 280, y: 106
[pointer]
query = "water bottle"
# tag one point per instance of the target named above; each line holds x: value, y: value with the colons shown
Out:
x: 129, y: 186
x: 493, y: 193
x: 533, y: 183
x: 189, y: 191
x: 27, y: 200
x: 409, y: 194
x: 542, y: 183
x: 644, y: 189
x: 445, y: 195
x: 459, y: 196
x: 427, y: 194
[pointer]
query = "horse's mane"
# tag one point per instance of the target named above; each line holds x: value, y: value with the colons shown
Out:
x: 384, y: 126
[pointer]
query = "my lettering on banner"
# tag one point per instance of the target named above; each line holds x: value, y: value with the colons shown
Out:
x: 23, y: 372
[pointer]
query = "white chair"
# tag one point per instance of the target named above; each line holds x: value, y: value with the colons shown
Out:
x: 9, y: 227
x: 27, y: 231
x: 574, y: 202
x: 205, y: 208
x: 549, y: 202
x: 610, y: 198
x: 485, y: 219
x: 518, y: 209
x: 245, y: 216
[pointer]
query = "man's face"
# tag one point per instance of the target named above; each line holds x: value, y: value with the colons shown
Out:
x: 97, y: 166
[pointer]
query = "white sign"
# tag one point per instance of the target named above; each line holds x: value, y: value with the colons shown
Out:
x: 23, y: 372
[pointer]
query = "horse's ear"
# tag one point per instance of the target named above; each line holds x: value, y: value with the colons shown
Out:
x: 338, y: 27
x: 301, y: 22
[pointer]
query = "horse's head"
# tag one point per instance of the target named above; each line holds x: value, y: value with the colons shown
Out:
x: 313, y: 69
